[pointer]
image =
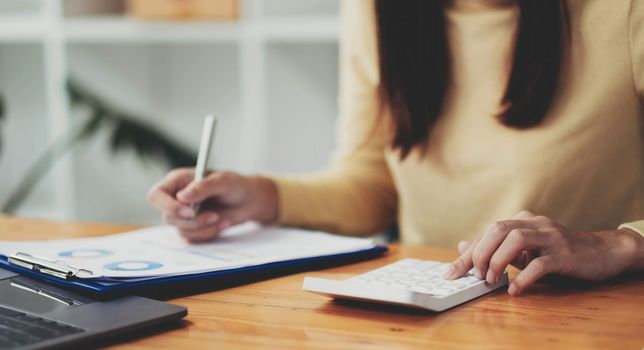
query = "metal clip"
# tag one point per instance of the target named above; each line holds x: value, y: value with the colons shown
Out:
x: 56, y: 268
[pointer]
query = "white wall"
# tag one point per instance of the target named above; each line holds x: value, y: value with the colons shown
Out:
x: 302, y: 106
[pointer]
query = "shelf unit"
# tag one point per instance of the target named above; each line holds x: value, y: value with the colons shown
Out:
x: 118, y: 29
x: 263, y: 32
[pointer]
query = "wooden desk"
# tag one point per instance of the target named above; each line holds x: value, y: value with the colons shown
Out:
x: 275, y: 314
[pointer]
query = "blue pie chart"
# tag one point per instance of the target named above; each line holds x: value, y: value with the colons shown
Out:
x: 133, y: 265
x: 85, y: 253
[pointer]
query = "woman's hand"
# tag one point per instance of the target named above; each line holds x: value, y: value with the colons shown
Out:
x: 540, y: 246
x: 226, y: 199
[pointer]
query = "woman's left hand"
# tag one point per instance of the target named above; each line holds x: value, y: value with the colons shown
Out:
x: 539, y: 246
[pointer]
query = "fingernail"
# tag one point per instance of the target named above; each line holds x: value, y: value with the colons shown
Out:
x: 212, y: 219
x: 186, y: 213
x: 490, y: 277
x: 478, y: 273
x: 449, y: 273
x: 512, y: 290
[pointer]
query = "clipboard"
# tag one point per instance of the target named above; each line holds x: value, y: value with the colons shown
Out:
x: 65, y: 276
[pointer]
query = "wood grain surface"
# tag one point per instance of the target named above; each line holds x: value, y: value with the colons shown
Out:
x: 276, y: 313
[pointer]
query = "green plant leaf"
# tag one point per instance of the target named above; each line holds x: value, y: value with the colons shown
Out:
x: 91, y: 127
x: 149, y: 143
x: 129, y: 133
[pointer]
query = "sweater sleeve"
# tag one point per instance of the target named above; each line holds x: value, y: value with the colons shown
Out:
x: 355, y: 195
x: 636, y: 34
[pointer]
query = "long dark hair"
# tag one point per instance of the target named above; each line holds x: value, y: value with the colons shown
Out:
x: 415, y: 64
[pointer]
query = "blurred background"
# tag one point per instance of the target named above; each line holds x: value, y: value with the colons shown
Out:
x: 101, y: 97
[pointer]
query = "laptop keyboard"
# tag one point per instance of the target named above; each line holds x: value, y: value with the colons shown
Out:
x: 18, y: 329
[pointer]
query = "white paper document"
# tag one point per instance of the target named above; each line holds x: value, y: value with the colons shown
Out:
x: 160, y: 251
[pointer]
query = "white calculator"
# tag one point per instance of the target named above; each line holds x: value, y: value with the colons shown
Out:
x: 408, y: 282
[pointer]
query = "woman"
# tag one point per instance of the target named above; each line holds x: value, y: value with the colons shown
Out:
x: 455, y: 114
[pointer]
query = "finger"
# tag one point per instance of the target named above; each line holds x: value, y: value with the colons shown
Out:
x: 461, y: 265
x: 201, y: 221
x: 463, y: 245
x: 490, y: 241
x: 231, y: 217
x: 227, y: 218
x: 168, y: 205
x: 523, y: 215
x: 544, y: 222
x: 161, y: 195
x: 536, y: 269
x: 511, y: 248
x: 213, y: 185
x: 205, y: 234
x: 523, y: 258
x: 176, y: 180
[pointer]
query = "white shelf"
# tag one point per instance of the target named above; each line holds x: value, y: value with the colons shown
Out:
x: 21, y: 28
x: 97, y: 29
x: 121, y: 29
x: 105, y: 29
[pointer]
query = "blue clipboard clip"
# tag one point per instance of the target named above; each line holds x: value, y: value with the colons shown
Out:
x: 56, y: 268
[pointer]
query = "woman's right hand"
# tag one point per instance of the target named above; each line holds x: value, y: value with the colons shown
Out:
x: 226, y: 199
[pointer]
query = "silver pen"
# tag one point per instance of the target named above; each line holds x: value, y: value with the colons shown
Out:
x: 207, y: 136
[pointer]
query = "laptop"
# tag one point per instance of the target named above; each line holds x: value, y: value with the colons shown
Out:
x: 36, y: 315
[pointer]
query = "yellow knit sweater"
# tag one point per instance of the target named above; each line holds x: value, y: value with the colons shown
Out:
x: 582, y: 166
